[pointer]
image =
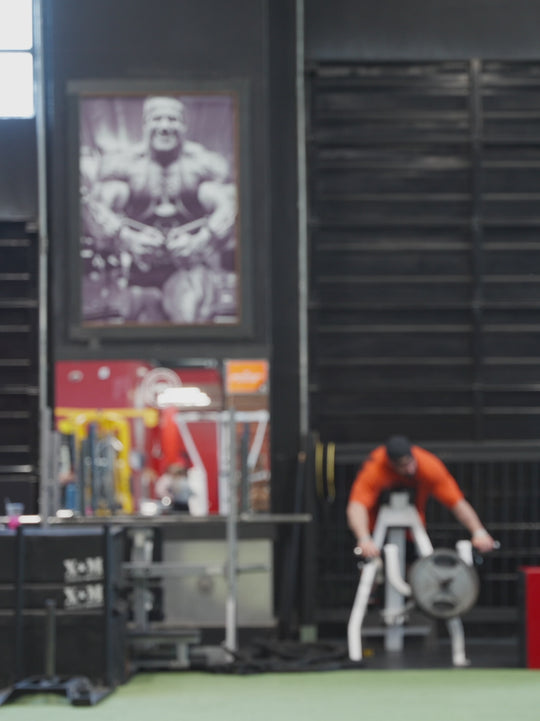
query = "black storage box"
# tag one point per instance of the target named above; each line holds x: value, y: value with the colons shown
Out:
x: 79, y: 570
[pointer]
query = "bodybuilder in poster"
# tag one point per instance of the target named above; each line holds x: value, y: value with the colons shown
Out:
x: 158, y: 226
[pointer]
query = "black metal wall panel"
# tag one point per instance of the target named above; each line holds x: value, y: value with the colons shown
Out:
x: 511, y: 248
x: 424, y: 189
x: 421, y: 29
x: 19, y: 365
x: 18, y: 170
x: 391, y: 269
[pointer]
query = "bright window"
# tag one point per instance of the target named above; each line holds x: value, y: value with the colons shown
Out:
x: 16, y: 59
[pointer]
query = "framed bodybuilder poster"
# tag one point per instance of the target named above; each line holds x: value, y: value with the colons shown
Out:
x: 160, y: 215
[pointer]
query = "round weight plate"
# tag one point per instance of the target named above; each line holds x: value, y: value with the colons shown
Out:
x: 443, y: 585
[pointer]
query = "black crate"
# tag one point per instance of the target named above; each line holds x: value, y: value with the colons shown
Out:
x: 83, y: 630
x: 81, y: 646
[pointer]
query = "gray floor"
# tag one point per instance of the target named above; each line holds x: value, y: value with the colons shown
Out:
x: 482, y: 653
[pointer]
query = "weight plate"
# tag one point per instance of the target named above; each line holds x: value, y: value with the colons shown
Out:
x: 443, y: 585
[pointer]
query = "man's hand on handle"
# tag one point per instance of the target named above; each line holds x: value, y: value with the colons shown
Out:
x: 483, y: 542
x: 367, y: 548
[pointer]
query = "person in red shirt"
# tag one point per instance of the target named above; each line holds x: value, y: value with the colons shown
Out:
x: 399, y: 464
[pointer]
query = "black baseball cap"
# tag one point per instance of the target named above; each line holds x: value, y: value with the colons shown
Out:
x: 397, y: 447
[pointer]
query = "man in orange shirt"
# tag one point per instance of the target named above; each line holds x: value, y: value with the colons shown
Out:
x: 398, y: 464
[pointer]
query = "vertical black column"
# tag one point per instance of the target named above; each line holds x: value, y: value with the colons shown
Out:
x: 108, y: 603
x: 477, y: 250
x: 19, y: 605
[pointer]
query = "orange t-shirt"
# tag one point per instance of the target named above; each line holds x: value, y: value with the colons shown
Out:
x: 432, y: 478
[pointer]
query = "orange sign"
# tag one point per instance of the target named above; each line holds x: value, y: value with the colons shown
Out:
x: 246, y: 376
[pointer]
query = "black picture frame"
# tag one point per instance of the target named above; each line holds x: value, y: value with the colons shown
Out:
x: 105, y: 125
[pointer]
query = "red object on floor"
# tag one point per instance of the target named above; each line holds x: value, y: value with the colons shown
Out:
x: 531, y: 615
